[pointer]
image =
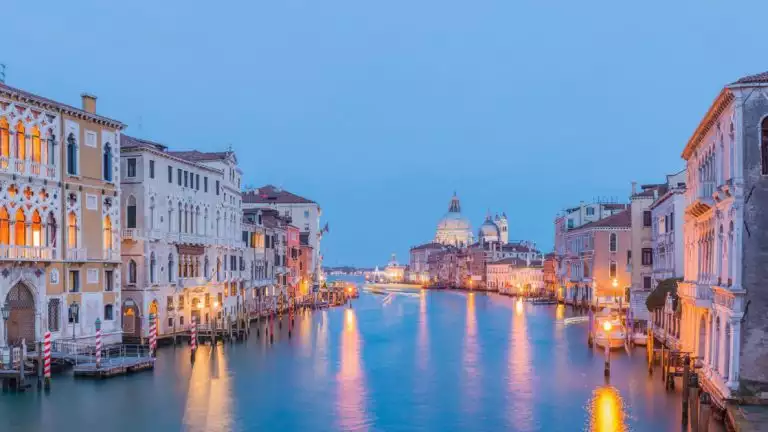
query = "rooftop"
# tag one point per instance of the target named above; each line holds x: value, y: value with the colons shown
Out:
x: 198, y: 156
x: 432, y: 245
x: 270, y: 194
x: 619, y: 220
x: 759, y: 78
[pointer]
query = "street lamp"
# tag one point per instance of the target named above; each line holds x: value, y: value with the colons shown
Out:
x: 6, y: 310
x: 74, y: 310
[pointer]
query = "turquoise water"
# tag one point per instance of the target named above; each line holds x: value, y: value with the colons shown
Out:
x: 439, y: 361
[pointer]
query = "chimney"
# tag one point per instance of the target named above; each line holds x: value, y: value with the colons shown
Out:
x: 89, y: 103
x: 634, y: 187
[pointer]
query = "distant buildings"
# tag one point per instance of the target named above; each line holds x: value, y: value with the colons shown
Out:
x: 516, y: 276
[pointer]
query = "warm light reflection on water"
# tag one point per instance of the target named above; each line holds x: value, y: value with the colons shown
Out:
x: 471, y: 370
x: 351, y: 382
x: 519, y: 372
x: 422, y: 353
x: 209, y: 401
x: 606, y: 411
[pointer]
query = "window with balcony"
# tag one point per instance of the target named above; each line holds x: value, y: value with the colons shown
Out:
x: 131, y: 271
x: 130, y: 212
x: 21, y: 147
x: 5, y: 142
x: 36, y: 147
x: 107, y: 163
x: 71, y: 154
x: 613, y: 242
x: 72, y: 230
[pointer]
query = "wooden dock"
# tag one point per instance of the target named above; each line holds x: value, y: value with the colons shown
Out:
x: 114, y: 366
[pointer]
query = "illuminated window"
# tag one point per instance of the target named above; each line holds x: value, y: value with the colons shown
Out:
x: 21, y: 147
x: 36, y: 148
x: 20, y: 228
x: 5, y: 142
x: 72, y: 230
x: 37, y: 229
x: 5, y: 227
x: 107, y: 233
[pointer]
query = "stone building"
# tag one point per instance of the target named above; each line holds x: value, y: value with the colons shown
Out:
x: 59, y: 218
x: 419, y: 260
x: 725, y: 235
x: 516, y: 276
x: 182, y: 244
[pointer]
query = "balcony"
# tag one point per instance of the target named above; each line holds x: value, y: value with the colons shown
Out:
x: 77, y: 254
x: 130, y: 234
x: 112, y: 255
x: 702, y: 201
x: 190, y: 282
x: 156, y: 234
x: 699, y: 293
x: 27, y: 168
x: 24, y: 253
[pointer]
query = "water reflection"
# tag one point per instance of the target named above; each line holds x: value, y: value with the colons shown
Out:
x: 606, y: 411
x: 351, y: 393
x: 471, y: 369
x: 209, y: 400
x: 422, y: 353
x: 520, y: 374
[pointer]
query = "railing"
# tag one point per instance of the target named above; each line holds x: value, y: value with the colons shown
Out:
x: 187, y: 282
x: 27, y: 167
x: 111, y: 255
x: 706, y: 189
x: 15, y: 252
x: 193, y: 239
x: 77, y: 254
x: 156, y: 234
x: 130, y: 234
x: 695, y: 291
x: 5, y: 164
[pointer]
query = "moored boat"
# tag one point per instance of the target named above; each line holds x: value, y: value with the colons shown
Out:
x: 609, y: 331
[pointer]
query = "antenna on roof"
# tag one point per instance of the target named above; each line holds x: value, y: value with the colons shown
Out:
x: 2, y: 73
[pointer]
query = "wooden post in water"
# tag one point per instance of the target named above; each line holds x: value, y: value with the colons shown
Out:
x: 39, y: 365
x: 686, y: 387
x: 650, y: 351
x: 694, y: 402
x: 705, y: 412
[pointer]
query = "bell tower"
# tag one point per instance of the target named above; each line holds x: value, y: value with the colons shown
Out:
x: 503, y: 225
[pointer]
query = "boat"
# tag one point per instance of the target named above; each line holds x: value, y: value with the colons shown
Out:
x: 639, y: 338
x: 615, y: 335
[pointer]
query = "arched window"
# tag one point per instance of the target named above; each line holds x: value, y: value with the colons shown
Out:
x: 727, y: 359
x: 37, y: 229
x: 152, y: 267
x: 5, y: 142
x: 109, y: 312
x: 205, y: 268
x: 5, y: 227
x: 170, y: 267
x: 51, y: 153
x: 130, y: 212
x: 37, y: 150
x: 131, y: 271
x: 181, y: 218
x: 764, y: 145
x: 72, y: 230
x: 20, y: 229
x: 50, y: 230
x: 218, y: 269
x: 21, y: 146
x: 107, y: 163
x: 71, y: 154
x: 107, y: 233
x: 613, y: 242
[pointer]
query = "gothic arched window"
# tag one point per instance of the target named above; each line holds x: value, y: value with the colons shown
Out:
x: 170, y: 268
x: 107, y: 163
x: 71, y: 154
x: 21, y: 146
x: 132, y: 272
x: 152, y: 267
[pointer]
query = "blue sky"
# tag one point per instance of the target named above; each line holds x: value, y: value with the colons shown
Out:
x: 379, y: 110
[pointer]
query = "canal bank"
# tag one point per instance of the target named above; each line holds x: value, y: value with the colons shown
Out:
x: 433, y: 361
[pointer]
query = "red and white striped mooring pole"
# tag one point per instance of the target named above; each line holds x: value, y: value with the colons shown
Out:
x: 152, y: 334
x: 193, y: 340
x: 98, y: 343
x: 47, y: 359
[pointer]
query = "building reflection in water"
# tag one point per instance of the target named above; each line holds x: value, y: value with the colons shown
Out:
x: 422, y: 353
x: 472, y: 377
x: 209, y: 396
x: 352, y: 393
x: 606, y: 411
x: 520, y: 374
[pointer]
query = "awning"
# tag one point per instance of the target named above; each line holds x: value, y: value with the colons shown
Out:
x: 658, y: 297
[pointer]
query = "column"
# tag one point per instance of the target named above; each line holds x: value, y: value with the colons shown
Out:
x: 738, y: 225
x: 733, y: 372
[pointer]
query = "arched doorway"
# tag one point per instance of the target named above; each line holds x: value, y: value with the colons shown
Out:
x: 131, y: 325
x: 21, y: 322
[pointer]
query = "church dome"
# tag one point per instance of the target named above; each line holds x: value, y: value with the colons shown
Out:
x: 488, y: 231
x: 454, y: 228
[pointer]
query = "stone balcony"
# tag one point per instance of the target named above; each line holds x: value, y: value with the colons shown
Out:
x: 130, y: 234
x: 190, y: 282
x: 27, y: 168
x: 112, y: 255
x: 700, y: 294
x: 77, y: 254
x: 27, y: 253
x: 702, y: 200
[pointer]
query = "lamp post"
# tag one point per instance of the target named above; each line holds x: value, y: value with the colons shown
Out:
x: 74, y: 310
x: 607, y: 328
x: 6, y: 310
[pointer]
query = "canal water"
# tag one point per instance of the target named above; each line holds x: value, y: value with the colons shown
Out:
x: 437, y: 361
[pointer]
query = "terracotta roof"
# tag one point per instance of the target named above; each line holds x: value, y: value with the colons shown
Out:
x: 129, y: 141
x: 46, y: 101
x: 432, y: 245
x: 753, y: 79
x: 198, y: 156
x: 270, y: 194
x: 619, y: 220
x: 613, y: 206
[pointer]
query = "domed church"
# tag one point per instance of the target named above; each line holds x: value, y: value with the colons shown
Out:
x: 494, y: 230
x: 454, y: 229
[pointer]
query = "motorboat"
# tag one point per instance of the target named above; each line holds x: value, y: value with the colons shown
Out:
x: 639, y: 338
x: 609, y: 330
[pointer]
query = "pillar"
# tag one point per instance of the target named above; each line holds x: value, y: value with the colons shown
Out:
x: 733, y: 372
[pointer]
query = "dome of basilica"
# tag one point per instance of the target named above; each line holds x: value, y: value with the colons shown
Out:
x: 454, y: 228
x: 488, y: 231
